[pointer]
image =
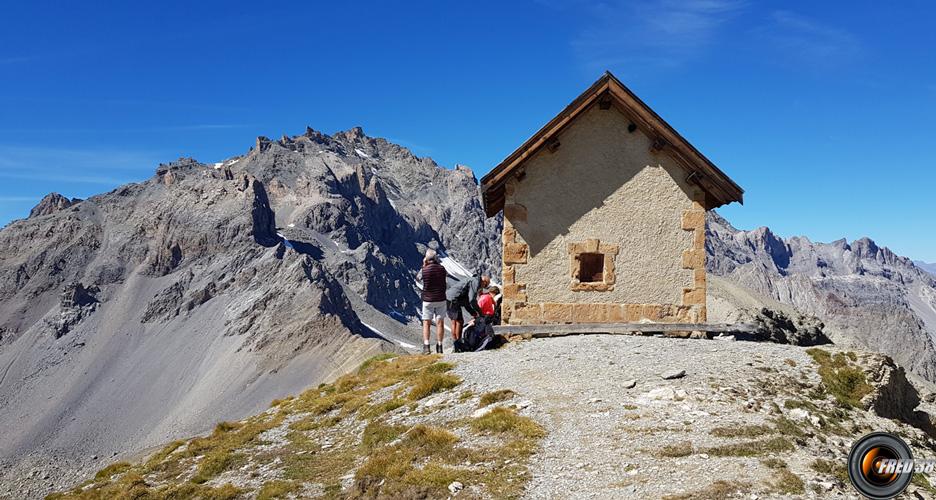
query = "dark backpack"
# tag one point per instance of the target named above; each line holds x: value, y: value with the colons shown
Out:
x: 476, y: 337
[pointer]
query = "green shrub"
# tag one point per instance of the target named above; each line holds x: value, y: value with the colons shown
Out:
x: 846, y: 383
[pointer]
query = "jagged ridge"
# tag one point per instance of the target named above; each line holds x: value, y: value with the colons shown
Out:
x: 217, y: 287
x: 865, y: 294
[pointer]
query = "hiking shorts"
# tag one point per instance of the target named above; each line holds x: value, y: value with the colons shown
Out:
x: 455, y: 310
x: 433, y: 311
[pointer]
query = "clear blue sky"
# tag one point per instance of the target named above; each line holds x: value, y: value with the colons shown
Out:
x: 824, y: 112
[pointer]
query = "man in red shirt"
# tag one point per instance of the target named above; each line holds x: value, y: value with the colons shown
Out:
x: 433, y: 277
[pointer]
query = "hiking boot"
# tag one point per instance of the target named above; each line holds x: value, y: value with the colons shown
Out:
x: 426, y: 349
x: 438, y: 348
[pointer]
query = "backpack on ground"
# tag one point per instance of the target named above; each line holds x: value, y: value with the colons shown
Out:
x: 476, y: 337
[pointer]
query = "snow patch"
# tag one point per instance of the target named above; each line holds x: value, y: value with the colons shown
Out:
x: 361, y: 153
x: 286, y: 241
x: 455, y: 268
x: 405, y: 345
x: 225, y: 163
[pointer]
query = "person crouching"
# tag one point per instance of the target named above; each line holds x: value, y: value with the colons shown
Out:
x: 464, y: 294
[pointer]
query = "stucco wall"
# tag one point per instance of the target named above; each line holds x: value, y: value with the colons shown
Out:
x: 603, y: 183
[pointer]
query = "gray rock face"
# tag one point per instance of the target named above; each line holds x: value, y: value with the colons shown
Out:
x: 208, y: 290
x: 77, y: 302
x: 51, y: 203
x: 864, y: 294
x: 776, y: 326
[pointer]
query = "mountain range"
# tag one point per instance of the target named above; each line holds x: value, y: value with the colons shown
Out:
x: 866, y: 295
x: 206, y: 291
x: 928, y: 267
x: 153, y: 311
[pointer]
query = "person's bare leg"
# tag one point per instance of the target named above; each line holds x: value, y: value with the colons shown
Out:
x: 426, y: 331
x: 440, y: 330
x: 456, y: 329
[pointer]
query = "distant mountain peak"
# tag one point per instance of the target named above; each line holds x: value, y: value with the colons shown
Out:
x: 926, y: 266
x: 862, y: 291
x: 51, y: 203
x: 353, y: 134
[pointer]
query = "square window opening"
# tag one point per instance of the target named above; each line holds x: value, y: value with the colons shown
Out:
x: 591, y: 268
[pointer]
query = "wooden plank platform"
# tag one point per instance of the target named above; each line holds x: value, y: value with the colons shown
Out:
x: 538, y: 331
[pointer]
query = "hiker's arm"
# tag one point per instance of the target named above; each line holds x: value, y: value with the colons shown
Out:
x: 473, y: 290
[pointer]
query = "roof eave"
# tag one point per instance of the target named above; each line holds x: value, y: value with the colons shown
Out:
x: 719, y: 188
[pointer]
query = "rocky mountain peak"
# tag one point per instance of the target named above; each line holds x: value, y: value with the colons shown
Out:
x: 51, y: 203
x: 863, y: 292
x: 262, y: 144
x: 352, y: 135
x: 465, y: 169
x: 316, y: 136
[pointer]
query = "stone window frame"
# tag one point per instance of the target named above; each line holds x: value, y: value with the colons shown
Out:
x: 592, y: 246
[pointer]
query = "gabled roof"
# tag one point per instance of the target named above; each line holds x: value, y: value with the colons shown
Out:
x: 607, y: 91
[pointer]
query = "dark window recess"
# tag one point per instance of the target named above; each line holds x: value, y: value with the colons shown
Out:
x: 591, y: 267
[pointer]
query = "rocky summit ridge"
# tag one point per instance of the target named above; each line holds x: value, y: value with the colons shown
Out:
x: 205, y: 291
x: 865, y: 294
x: 153, y: 311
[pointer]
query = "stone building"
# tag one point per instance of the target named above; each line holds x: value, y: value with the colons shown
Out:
x: 604, y: 216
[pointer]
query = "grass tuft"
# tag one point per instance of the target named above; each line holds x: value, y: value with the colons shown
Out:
x: 432, y: 382
x: 388, y: 460
x: 786, y: 482
x: 830, y: 468
x: 277, y: 489
x: 379, y: 433
x: 506, y: 420
x: 223, y: 427
x: 112, y: 470
x: 490, y: 398
x: 163, y: 454
x: 215, y: 463
x: 753, y: 448
x: 716, y: 491
x: 788, y: 427
x: 774, y: 463
x: 921, y: 481
x: 680, y: 449
x: 747, y: 431
x: 369, y: 363
x: 846, y: 382
x: 427, y: 440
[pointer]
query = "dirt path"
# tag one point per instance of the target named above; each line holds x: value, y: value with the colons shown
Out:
x: 607, y: 441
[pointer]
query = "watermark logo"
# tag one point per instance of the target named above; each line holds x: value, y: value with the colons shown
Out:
x: 880, y: 465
